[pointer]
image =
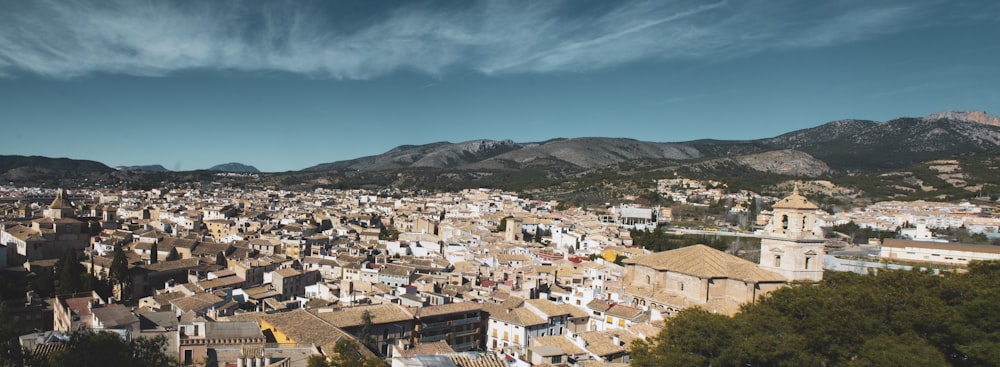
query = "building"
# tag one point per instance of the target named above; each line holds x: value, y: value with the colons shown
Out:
x: 937, y: 252
x: 792, y: 242
x: 461, y: 325
x: 696, y: 276
x: 48, y: 237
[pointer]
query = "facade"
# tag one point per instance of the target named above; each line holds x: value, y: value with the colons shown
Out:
x: 48, y: 237
x: 936, y: 252
x: 696, y: 276
x: 792, y: 242
x: 461, y: 325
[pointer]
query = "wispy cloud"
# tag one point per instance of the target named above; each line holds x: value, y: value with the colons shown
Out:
x: 66, y: 39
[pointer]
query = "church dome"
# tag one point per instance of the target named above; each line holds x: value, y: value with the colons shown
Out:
x: 795, y: 201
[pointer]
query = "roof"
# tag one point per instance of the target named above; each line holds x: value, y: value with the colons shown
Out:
x: 705, y: 262
x: 115, y: 316
x: 547, y: 307
x: 233, y: 330
x: 795, y: 202
x: 303, y: 327
x: 351, y: 316
x: 518, y: 316
x: 558, y: 341
x: 172, y: 265
x: 432, y: 348
x: 624, y: 312
x: 448, y: 308
x: 196, y: 302
x: 602, y: 343
x: 60, y: 202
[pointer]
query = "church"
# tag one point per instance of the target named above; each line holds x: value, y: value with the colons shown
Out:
x: 791, y: 252
x: 48, y: 237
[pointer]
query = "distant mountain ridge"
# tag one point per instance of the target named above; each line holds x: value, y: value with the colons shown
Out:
x: 234, y: 167
x: 148, y: 168
x: 848, y: 145
x: 843, y: 145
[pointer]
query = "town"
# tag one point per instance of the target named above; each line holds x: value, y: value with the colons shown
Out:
x: 265, y: 277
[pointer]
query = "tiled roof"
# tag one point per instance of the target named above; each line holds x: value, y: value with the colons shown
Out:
x: 351, y: 316
x: 558, y: 341
x: 448, y: 308
x: 602, y: 342
x: 303, y: 327
x: 549, y: 308
x: 196, y: 302
x: 624, y: 312
x: 518, y: 316
x: 795, y: 201
x: 705, y: 262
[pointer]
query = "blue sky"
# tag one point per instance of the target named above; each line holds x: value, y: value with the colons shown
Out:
x: 284, y: 85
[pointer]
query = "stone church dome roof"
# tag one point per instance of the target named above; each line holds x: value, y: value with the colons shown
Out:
x: 60, y: 202
x: 795, y: 201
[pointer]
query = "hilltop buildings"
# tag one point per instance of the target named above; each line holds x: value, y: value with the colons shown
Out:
x: 273, y: 276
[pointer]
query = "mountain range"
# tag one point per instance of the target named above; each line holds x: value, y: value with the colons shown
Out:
x: 845, y: 145
x: 837, y: 147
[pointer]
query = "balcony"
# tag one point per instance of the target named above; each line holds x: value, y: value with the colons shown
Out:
x: 434, y: 325
x: 459, y: 334
x: 432, y: 338
x: 471, y: 320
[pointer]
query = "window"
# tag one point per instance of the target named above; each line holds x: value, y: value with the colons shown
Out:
x: 777, y: 261
x: 506, y: 336
x: 517, y: 339
x: 682, y: 286
x: 784, y: 222
x: 494, y: 333
x: 621, y: 322
x: 608, y: 319
x: 808, y: 260
x: 556, y: 359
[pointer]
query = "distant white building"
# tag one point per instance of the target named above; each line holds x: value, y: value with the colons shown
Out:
x: 935, y: 252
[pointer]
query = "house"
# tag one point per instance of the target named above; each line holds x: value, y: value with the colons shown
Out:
x: 461, y: 325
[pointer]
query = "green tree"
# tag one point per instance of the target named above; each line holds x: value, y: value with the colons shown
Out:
x: 118, y: 273
x: 70, y: 273
x: 365, y: 335
x: 101, y: 349
x: 11, y: 353
x: 502, y: 227
x: 894, y: 318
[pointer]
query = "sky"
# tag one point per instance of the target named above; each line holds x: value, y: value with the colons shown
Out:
x: 285, y: 85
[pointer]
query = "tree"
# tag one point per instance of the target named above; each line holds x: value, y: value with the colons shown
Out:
x: 100, y: 349
x: 11, y: 353
x: 894, y: 318
x: 119, y: 272
x: 502, y: 227
x: 345, y: 354
x: 154, y: 254
x: 366, y: 330
x: 70, y: 273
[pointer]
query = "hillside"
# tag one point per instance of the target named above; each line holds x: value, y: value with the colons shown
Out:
x: 235, y: 168
x: 844, y: 145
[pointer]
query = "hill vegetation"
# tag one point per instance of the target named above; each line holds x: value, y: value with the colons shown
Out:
x: 895, y: 318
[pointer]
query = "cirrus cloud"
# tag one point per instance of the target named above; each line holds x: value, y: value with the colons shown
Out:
x: 67, y: 39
